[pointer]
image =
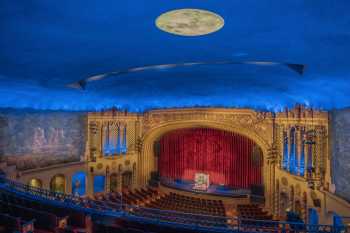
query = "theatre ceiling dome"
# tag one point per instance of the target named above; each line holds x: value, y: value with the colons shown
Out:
x: 49, y: 48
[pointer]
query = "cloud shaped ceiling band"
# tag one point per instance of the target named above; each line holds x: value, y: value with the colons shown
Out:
x: 81, y: 84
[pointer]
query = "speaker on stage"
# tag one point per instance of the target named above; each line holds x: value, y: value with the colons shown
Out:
x: 257, y: 190
x: 154, y: 181
x: 155, y: 176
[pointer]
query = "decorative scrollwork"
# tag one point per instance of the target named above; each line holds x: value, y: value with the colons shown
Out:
x: 139, y: 144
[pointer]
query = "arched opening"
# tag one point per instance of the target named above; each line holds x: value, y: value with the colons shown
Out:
x: 58, y: 183
x: 79, y: 183
x: 36, y: 183
x: 114, y: 182
x: 148, y: 164
x: 227, y: 158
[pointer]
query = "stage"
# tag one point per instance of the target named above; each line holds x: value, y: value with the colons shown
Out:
x: 213, y: 190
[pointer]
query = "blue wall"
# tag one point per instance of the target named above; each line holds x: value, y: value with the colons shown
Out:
x: 99, y: 184
x: 340, y: 134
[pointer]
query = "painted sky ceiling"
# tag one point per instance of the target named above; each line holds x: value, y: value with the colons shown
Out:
x: 46, y: 45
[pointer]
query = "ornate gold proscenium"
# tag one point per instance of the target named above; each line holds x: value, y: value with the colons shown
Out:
x: 266, y: 129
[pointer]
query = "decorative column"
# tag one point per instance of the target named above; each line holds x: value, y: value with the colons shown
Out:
x: 285, y: 161
x: 93, y: 139
x: 120, y: 182
x: 142, y: 163
x: 291, y: 200
x: 271, y: 164
x: 320, y: 156
x: 108, y: 180
x: 90, y: 184
x: 302, y: 155
x: 134, y: 176
x: 277, y: 199
x: 118, y: 146
x: 102, y: 140
x: 124, y: 141
x: 68, y: 184
x: 279, y: 147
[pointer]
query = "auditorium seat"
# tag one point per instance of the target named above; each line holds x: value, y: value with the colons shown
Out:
x: 9, y: 223
x: 43, y: 220
x: 47, y: 218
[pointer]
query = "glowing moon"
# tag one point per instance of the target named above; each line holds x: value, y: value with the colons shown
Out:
x: 190, y: 22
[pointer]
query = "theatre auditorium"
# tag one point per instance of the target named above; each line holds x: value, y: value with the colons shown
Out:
x: 194, y: 116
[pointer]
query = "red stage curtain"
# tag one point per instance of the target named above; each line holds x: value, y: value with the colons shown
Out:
x: 227, y: 157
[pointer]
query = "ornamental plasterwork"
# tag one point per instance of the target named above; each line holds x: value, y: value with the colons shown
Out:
x: 259, y: 123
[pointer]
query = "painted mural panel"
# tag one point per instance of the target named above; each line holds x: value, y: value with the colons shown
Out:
x: 33, y: 139
x: 341, y: 152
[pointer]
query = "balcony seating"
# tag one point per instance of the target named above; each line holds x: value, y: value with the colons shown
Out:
x: 10, y: 223
x: 43, y: 220
x: 46, y: 218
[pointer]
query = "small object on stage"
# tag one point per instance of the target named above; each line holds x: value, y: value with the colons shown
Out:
x: 201, y: 182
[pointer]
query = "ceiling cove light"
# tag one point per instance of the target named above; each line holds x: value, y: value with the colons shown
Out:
x: 189, y: 22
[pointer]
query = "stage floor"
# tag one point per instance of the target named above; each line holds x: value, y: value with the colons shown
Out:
x: 229, y: 202
x: 213, y: 190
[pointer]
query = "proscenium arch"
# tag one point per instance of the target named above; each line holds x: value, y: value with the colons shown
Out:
x: 148, y: 165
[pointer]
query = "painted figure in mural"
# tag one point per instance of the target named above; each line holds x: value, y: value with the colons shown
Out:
x: 39, y: 139
x: 55, y: 136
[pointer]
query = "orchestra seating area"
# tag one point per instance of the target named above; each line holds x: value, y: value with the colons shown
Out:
x: 252, y: 211
x: 139, y: 196
x: 151, y: 203
x: 154, y: 199
x: 187, y: 204
x: 129, y: 197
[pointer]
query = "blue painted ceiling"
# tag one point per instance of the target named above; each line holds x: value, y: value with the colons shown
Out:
x: 45, y: 45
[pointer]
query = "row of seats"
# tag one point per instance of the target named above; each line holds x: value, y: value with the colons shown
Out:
x: 253, y: 211
x: 130, y: 197
x: 151, y: 203
x: 187, y: 204
x: 180, y: 217
x: 139, y: 196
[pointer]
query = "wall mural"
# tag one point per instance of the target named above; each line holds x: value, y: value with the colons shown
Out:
x: 341, y: 152
x: 33, y: 139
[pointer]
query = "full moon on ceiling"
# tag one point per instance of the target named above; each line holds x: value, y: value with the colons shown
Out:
x: 189, y: 22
